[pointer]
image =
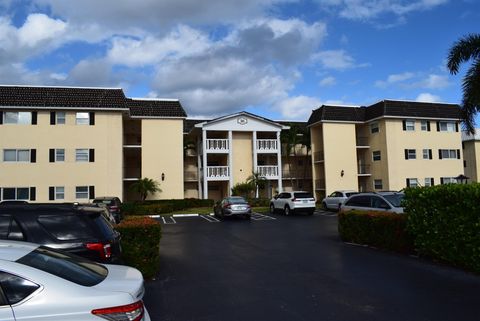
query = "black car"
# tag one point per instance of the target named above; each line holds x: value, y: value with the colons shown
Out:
x: 80, y: 230
x: 113, y: 204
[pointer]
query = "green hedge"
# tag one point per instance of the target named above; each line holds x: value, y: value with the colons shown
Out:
x: 141, y: 244
x: 445, y: 220
x: 378, y: 229
x: 163, y: 206
x: 259, y: 202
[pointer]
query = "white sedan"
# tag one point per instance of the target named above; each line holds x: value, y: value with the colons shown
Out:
x: 41, y: 284
x: 336, y: 199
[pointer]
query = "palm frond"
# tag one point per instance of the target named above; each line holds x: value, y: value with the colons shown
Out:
x: 463, y: 50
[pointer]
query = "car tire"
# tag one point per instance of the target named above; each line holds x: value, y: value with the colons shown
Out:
x: 272, y: 209
x: 310, y: 212
x: 324, y: 206
x: 287, y: 211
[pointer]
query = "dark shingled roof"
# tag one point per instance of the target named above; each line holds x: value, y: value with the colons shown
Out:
x: 189, y: 124
x: 58, y: 97
x: 155, y: 108
x: 385, y: 108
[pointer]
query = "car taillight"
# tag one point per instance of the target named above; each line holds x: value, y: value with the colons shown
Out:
x: 130, y: 312
x: 227, y: 205
x: 105, y: 250
x: 113, y: 208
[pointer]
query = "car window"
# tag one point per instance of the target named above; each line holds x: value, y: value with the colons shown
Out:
x: 333, y: 194
x: 302, y: 195
x: 395, y: 199
x: 285, y: 195
x: 16, y: 288
x: 66, y: 266
x: 66, y: 227
x: 104, y: 226
x: 350, y: 194
x: 339, y: 194
x: 360, y: 201
x: 9, y: 229
x: 4, y: 225
x: 377, y: 202
x: 236, y: 200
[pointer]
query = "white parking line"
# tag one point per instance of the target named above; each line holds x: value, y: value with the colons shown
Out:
x: 324, y: 213
x: 261, y: 217
x: 172, y: 220
x: 209, y: 218
x: 185, y: 215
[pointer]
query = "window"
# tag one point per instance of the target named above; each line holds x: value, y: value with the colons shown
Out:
x: 412, y: 182
x: 376, y: 155
x: 409, y: 125
x: 82, y: 119
x: 427, y: 154
x: 410, y: 154
x: 60, y: 118
x: 16, y: 155
x: 428, y: 181
x: 60, y: 155
x: 425, y: 125
x: 15, y: 193
x: 59, y: 192
x: 18, y: 117
x: 16, y: 288
x: 449, y: 153
x: 374, y: 128
x: 81, y: 155
x: 446, y: 126
x: 81, y: 192
x: 377, y: 184
x: 447, y: 180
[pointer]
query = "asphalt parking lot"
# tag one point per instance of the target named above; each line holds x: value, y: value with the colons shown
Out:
x: 296, y: 268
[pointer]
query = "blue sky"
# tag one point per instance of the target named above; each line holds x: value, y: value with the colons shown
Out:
x: 276, y: 58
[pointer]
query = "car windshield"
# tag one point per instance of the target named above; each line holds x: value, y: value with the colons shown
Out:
x: 236, y: 200
x: 348, y: 194
x: 66, y: 266
x: 302, y: 195
x: 395, y: 199
x: 107, y: 202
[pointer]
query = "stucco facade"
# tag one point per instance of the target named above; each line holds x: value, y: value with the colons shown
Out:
x: 471, y: 154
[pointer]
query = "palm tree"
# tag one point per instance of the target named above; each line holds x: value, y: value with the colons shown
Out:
x: 290, y: 139
x: 257, y: 180
x: 145, y: 186
x: 468, y: 48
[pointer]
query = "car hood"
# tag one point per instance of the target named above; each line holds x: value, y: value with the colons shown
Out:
x: 123, y: 279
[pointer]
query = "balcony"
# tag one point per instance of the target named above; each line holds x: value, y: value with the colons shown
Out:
x: 267, y: 145
x: 217, y: 146
x: 218, y: 173
x: 132, y: 173
x: 298, y: 174
x: 362, y: 142
x: 190, y: 176
x: 364, y: 170
x: 318, y: 156
x: 132, y: 140
x: 320, y: 184
x: 269, y: 172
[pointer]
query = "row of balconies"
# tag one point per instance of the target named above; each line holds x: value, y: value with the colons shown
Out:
x: 223, y: 173
x: 223, y: 145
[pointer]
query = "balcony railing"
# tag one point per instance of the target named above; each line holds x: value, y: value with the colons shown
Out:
x: 268, y: 171
x: 218, y: 173
x: 217, y: 145
x: 297, y: 174
x: 267, y: 145
x: 318, y: 156
x: 190, y: 176
x: 320, y: 184
x: 363, y: 169
x: 362, y: 141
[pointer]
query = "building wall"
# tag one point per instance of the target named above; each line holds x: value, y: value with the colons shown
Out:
x: 378, y: 142
x: 399, y: 169
x: 242, y: 160
x: 471, y: 154
x: 162, y: 152
x: 340, y: 155
x: 105, y: 137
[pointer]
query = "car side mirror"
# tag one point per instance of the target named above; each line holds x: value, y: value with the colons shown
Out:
x: 276, y: 196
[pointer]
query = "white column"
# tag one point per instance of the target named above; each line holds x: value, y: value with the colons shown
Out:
x: 279, y: 162
x: 204, y: 154
x: 200, y: 169
x: 230, y: 163
x: 255, y: 162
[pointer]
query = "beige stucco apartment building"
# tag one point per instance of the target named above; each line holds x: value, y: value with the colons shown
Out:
x: 471, y: 154
x: 68, y: 144
x: 386, y: 146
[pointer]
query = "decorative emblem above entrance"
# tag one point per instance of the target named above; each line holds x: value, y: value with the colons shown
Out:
x: 242, y: 120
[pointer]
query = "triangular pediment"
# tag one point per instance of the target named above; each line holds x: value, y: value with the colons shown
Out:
x: 242, y: 121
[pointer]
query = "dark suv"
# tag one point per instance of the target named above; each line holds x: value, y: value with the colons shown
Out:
x: 79, y: 230
x: 113, y: 204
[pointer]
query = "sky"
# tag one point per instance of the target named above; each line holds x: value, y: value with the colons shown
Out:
x: 276, y: 58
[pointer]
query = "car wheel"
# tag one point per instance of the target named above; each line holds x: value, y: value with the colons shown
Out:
x: 287, y: 210
x: 310, y: 212
x: 272, y: 209
x: 324, y: 205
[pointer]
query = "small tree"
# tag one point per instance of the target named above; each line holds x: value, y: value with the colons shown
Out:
x: 257, y: 181
x: 145, y: 186
x: 243, y: 189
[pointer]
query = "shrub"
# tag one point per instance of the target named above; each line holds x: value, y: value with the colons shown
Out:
x: 378, y: 229
x: 445, y: 220
x: 141, y: 244
x: 155, y: 207
x: 243, y: 189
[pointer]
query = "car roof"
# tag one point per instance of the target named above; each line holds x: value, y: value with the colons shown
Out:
x: 105, y: 198
x: 13, y: 250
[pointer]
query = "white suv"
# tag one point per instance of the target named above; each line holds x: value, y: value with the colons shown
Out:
x: 293, y: 202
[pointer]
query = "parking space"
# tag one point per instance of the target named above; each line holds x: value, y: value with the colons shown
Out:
x: 295, y: 268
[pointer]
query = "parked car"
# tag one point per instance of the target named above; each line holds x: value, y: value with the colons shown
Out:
x: 101, y: 208
x: 13, y: 202
x: 381, y: 201
x: 233, y: 206
x: 293, y: 202
x: 80, y: 230
x: 113, y: 204
x: 335, y: 200
x: 39, y: 283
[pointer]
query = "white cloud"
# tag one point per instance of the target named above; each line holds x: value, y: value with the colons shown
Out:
x: 394, y: 78
x: 427, y: 97
x: 433, y: 82
x: 40, y: 28
x: 297, y: 107
x: 409, y: 80
x: 328, y: 81
x: 337, y: 59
